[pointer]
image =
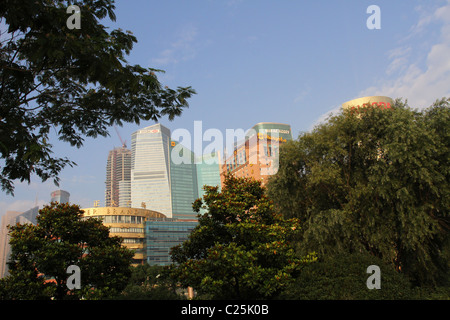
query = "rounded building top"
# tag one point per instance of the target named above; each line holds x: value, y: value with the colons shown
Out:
x: 380, y: 101
x: 105, y: 211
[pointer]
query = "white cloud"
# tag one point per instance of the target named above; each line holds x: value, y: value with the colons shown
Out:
x: 427, y: 78
x: 323, y: 118
x: 181, y: 49
x: 302, y: 94
x: 79, y: 179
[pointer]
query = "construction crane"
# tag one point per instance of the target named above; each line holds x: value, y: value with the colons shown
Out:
x: 124, y: 143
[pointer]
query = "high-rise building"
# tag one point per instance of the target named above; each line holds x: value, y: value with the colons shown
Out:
x: 150, y: 169
x: 118, y: 178
x: 257, y: 156
x: 208, y: 173
x: 60, y: 196
x: 158, y: 181
x: 11, y: 218
x: 183, y: 182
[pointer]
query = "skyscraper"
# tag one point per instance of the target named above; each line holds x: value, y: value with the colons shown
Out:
x: 183, y: 182
x: 118, y: 178
x: 150, y: 169
x: 257, y: 156
x: 11, y: 218
x: 60, y: 196
x: 208, y: 173
x: 163, y: 173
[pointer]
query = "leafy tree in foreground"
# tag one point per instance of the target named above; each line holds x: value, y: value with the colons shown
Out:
x: 41, y: 254
x: 344, y: 277
x: 75, y: 81
x: 241, y: 248
x: 150, y: 283
x: 375, y: 181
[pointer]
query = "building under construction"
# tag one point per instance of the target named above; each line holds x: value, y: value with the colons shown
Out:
x: 118, y: 178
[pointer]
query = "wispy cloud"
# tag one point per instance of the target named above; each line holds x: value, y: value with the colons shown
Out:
x: 323, y: 118
x: 79, y: 179
x: 181, y: 49
x: 302, y: 94
x: 427, y: 78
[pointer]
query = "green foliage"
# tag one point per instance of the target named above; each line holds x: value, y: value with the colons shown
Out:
x: 344, y: 277
x: 75, y: 81
x: 150, y: 283
x: 241, y: 248
x: 376, y: 181
x: 41, y: 254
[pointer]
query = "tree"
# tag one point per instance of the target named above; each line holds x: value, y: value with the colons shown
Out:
x: 240, y: 248
x: 42, y: 253
x: 150, y: 283
x: 375, y: 181
x: 76, y: 81
x: 344, y: 277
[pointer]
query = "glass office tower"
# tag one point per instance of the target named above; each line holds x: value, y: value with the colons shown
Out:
x: 183, y: 178
x: 60, y: 196
x: 150, y: 169
x: 208, y: 173
x: 164, y: 234
x: 12, y: 218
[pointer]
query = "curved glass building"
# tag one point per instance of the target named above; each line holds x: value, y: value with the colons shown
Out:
x: 127, y: 223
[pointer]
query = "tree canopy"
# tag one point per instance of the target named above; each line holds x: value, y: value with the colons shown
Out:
x: 241, y: 247
x: 373, y: 181
x: 76, y: 81
x: 41, y: 255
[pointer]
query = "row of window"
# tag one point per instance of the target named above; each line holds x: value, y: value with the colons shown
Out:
x: 126, y: 230
x: 122, y: 219
x: 133, y: 240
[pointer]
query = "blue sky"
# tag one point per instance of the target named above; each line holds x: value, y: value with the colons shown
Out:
x: 254, y: 61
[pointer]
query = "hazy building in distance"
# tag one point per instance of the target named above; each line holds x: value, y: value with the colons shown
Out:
x: 60, y: 196
x: 12, y: 218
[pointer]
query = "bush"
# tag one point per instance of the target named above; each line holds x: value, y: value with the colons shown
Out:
x: 344, y: 277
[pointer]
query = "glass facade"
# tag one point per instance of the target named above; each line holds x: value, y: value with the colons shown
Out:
x: 183, y: 184
x: 11, y: 218
x: 164, y: 173
x: 163, y: 234
x: 208, y: 173
x: 125, y: 193
x: 150, y: 169
x: 127, y: 223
